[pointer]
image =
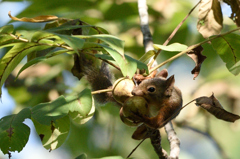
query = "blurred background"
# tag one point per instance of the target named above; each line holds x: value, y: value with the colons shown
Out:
x: 201, y: 135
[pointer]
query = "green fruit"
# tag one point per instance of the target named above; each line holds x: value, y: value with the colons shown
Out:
x: 134, y: 108
x: 122, y: 89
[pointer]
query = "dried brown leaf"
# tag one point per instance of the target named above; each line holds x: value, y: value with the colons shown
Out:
x: 198, y: 58
x: 235, y: 6
x: 213, y: 106
x: 38, y: 19
x: 209, y: 18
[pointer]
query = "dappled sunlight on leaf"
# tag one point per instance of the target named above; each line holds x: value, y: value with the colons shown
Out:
x: 54, y: 135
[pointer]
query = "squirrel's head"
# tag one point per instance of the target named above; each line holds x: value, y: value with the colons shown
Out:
x: 155, y: 88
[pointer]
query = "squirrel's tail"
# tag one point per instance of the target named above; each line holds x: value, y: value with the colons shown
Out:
x: 99, y: 78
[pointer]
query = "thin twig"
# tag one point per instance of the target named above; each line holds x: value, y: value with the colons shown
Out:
x: 191, y: 48
x: 180, y: 24
x: 135, y: 148
x: 174, y: 32
x: 101, y: 91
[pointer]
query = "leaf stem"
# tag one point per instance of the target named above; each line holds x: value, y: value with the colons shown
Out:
x: 101, y: 91
x: 25, y: 40
x: 135, y: 148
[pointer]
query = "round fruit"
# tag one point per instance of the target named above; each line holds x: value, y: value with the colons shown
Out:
x: 122, y: 89
x: 134, y: 108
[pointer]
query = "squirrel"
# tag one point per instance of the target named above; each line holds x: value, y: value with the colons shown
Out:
x: 163, y: 98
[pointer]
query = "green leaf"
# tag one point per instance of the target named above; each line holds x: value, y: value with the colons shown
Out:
x: 7, y: 29
x: 14, y: 56
x: 127, y: 65
x: 113, y: 42
x: 40, y: 59
x: 26, y: 34
x: 52, y: 24
x: 81, y: 103
x: 78, y: 118
x: 46, y: 113
x: 92, y: 46
x: 13, y: 133
x: 140, y: 64
x: 82, y: 156
x: 55, y: 134
x: 227, y: 48
x: 147, y: 56
x: 38, y: 35
x: 69, y: 26
x: 104, y: 56
x: 7, y: 40
x: 172, y: 47
x: 73, y: 42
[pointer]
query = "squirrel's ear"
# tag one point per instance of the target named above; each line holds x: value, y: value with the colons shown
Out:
x: 170, y: 81
x: 163, y: 73
x: 169, y: 86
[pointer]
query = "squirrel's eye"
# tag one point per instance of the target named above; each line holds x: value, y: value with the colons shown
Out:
x: 151, y: 89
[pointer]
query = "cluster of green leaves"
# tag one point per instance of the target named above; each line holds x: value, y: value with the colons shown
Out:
x: 52, y: 120
x: 56, y: 40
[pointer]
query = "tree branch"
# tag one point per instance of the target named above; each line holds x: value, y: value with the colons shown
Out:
x: 173, y: 140
x: 147, y: 36
x: 155, y: 136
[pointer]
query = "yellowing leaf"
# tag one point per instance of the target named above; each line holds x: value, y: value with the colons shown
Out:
x: 38, y: 19
x: 209, y: 18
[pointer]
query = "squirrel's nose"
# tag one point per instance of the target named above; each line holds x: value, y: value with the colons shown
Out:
x: 133, y: 93
x: 136, y: 92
